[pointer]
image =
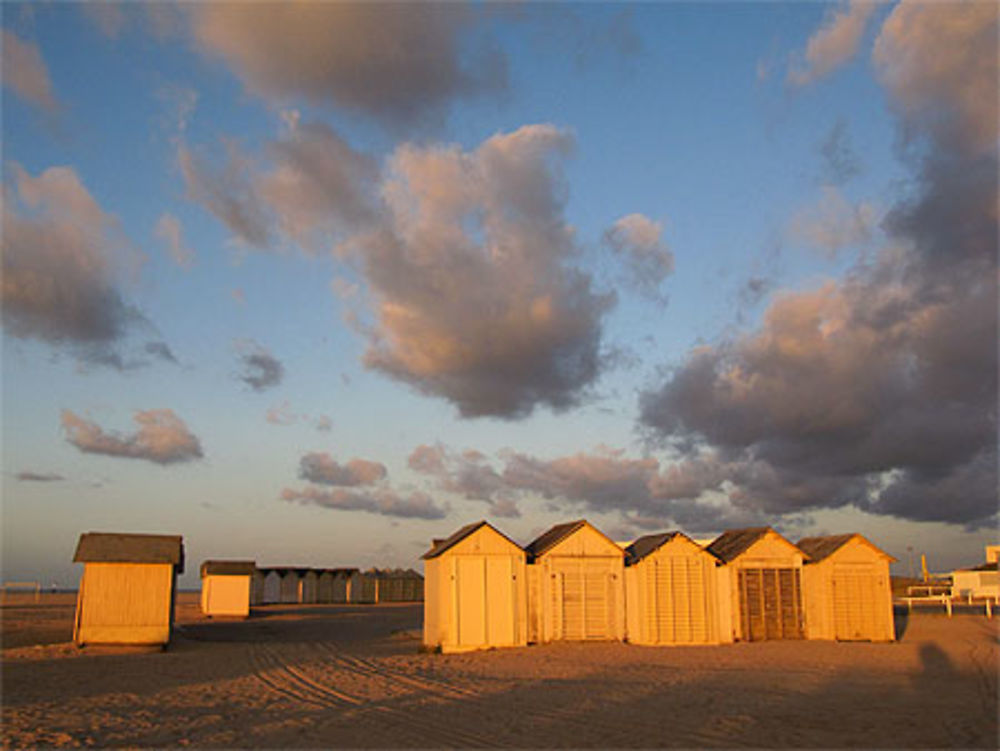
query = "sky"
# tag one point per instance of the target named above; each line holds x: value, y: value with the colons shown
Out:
x: 313, y: 284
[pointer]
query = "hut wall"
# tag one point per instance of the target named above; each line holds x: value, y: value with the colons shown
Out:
x: 475, y: 595
x: 308, y: 587
x: 289, y: 588
x: 324, y: 587
x: 673, y: 596
x: 581, y: 593
x: 848, y: 596
x: 341, y: 587
x: 257, y: 588
x: 766, y: 591
x: 125, y: 603
x: 272, y: 587
x: 225, y: 595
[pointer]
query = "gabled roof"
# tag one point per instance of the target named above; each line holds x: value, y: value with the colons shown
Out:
x: 440, y: 546
x: 227, y: 568
x: 552, y: 537
x: 649, y: 544
x: 818, y: 548
x: 732, y: 543
x: 113, y: 547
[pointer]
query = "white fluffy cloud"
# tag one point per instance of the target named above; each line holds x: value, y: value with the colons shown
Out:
x: 25, y: 72
x: 833, y: 44
x: 162, y: 438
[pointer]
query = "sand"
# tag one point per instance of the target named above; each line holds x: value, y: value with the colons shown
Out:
x: 353, y: 676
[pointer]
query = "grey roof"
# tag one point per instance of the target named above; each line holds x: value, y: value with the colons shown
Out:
x: 552, y: 537
x: 818, y: 548
x: 991, y: 566
x: 114, y: 547
x: 440, y: 546
x: 649, y: 544
x: 227, y: 568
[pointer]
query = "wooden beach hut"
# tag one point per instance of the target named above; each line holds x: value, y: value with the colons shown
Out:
x: 309, y: 586
x: 765, y: 583
x: 226, y: 588
x: 672, y: 588
x: 289, y: 589
x: 272, y: 585
x: 399, y: 585
x: 128, y: 588
x: 257, y: 580
x: 576, y: 585
x: 846, y: 588
x: 474, y: 591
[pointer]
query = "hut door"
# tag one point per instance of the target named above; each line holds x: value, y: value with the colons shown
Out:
x: 854, y: 598
x: 584, y: 596
x: 500, y: 607
x: 770, y: 603
x: 470, y: 594
x: 683, y: 608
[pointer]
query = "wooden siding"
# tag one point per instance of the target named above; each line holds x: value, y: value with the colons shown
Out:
x: 125, y: 603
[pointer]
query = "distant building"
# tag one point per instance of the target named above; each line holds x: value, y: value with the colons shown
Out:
x: 576, y: 585
x: 848, y: 596
x: 979, y: 581
x: 474, y: 591
x: 128, y: 588
x: 226, y: 588
x: 765, y: 583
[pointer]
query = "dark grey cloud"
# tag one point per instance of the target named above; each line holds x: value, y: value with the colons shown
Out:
x: 879, y: 390
x: 381, y: 501
x: 323, y: 469
x: 161, y: 438
x: 261, y: 369
x: 161, y: 350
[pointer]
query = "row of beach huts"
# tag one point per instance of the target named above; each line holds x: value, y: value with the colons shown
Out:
x: 483, y: 590
x: 129, y: 587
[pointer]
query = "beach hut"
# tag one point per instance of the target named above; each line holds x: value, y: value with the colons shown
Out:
x: 765, y: 583
x: 399, y: 585
x: 672, y: 588
x: 324, y: 585
x: 846, y: 589
x: 309, y: 586
x: 128, y: 587
x: 257, y: 581
x: 272, y: 585
x: 474, y: 591
x: 226, y: 587
x: 342, y: 580
x: 977, y: 582
x: 576, y: 585
x: 289, y: 592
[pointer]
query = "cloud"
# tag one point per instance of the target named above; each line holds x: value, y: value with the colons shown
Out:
x: 832, y: 223
x: 281, y: 414
x: 25, y: 73
x: 261, y: 369
x: 324, y: 423
x: 833, y: 44
x: 878, y: 390
x: 162, y: 438
x: 28, y: 476
x: 398, y: 64
x: 322, y: 469
x: 62, y: 257
x: 475, y: 300
x: 939, y: 63
x: 384, y: 502
x: 467, y: 474
x: 169, y: 230
x: 161, y: 350
x: 840, y: 162
x: 638, y: 239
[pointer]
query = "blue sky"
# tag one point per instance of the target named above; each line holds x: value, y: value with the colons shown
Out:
x: 314, y: 284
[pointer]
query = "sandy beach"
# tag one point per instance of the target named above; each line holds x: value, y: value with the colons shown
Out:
x: 353, y: 676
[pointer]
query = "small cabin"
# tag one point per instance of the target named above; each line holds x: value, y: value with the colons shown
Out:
x: 765, y: 582
x: 128, y: 588
x: 257, y: 580
x: 474, y: 591
x: 398, y: 585
x: 226, y: 588
x: 672, y: 592
x: 977, y: 582
x: 846, y: 586
x: 271, y: 589
x: 576, y: 585
x: 309, y: 586
x: 289, y: 589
